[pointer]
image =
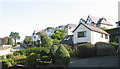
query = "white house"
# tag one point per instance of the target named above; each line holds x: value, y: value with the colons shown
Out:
x: 69, y: 28
x: 84, y: 33
x: 98, y: 22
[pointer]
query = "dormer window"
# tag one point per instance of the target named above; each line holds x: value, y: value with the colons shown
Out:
x: 89, y: 21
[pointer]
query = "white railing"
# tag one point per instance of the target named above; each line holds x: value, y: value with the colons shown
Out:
x: 4, y: 46
x: 5, y: 51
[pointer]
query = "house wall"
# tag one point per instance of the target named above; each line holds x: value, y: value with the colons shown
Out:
x: 91, y: 36
x: 83, y: 39
x: 69, y: 31
x: 96, y: 37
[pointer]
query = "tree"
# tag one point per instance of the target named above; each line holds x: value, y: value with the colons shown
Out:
x: 63, y: 55
x: 28, y: 41
x: 42, y: 34
x: 58, y: 34
x: 5, y: 40
x: 56, y: 42
x: 52, y: 52
x: 10, y: 41
x: 47, y: 41
x: 15, y: 36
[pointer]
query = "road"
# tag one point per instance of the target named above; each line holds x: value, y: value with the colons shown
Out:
x: 106, y: 61
x: 16, y: 48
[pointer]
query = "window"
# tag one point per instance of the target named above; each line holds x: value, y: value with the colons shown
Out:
x: 102, y: 35
x: 106, y: 36
x: 89, y: 21
x: 82, y: 34
x: 69, y: 27
x: 118, y: 24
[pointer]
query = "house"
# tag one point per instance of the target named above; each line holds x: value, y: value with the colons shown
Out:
x: 98, y: 22
x: 60, y: 27
x: 35, y: 35
x: 118, y: 24
x: 69, y: 28
x: 84, y: 33
x: 82, y: 20
x: 0, y: 41
x: 50, y: 31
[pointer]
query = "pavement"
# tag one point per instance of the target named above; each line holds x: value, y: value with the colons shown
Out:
x: 106, y: 61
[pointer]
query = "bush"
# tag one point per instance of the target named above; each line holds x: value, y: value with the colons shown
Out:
x: 32, y: 59
x: 52, y: 52
x: 56, y: 42
x: 47, y: 42
x: 16, y: 53
x: 10, y: 56
x: 8, y: 62
x: 45, y: 58
x: 18, y: 57
x: 62, y: 54
x: 104, y: 49
x: 37, y: 50
x: 86, y: 50
x: 116, y: 45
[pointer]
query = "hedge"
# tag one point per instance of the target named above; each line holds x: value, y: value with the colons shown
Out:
x: 86, y: 50
x: 104, y: 49
x: 38, y: 50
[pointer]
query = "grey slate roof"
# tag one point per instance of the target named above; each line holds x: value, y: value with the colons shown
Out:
x: 67, y: 40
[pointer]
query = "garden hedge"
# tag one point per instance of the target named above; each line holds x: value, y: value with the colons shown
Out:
x: 86, y: 50
x: 104, y: 49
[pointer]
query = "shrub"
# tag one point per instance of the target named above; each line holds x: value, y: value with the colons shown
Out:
x: 104, y: 49
x: 8, y: 62
x: 62, y: 54
x: 56, y: 42
x: 16, y: 53
x: 52, y: 52
x: 45, y: 58
x: 37, y: 50
x: 10, y: 56
x: 86, y: 50
x: 18, y: 57
x: 32, y: 59
x: 47, y: 42
x: 116, y: 45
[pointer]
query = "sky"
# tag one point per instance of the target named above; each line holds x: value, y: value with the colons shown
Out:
x: 25, y: 16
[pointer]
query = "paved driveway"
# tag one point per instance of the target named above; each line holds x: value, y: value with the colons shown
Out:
x: 107, y: 61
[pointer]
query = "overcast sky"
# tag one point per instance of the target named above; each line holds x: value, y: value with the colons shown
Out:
x: 25, y: 16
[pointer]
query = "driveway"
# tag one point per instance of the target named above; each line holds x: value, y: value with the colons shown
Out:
x: 106, y: 61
